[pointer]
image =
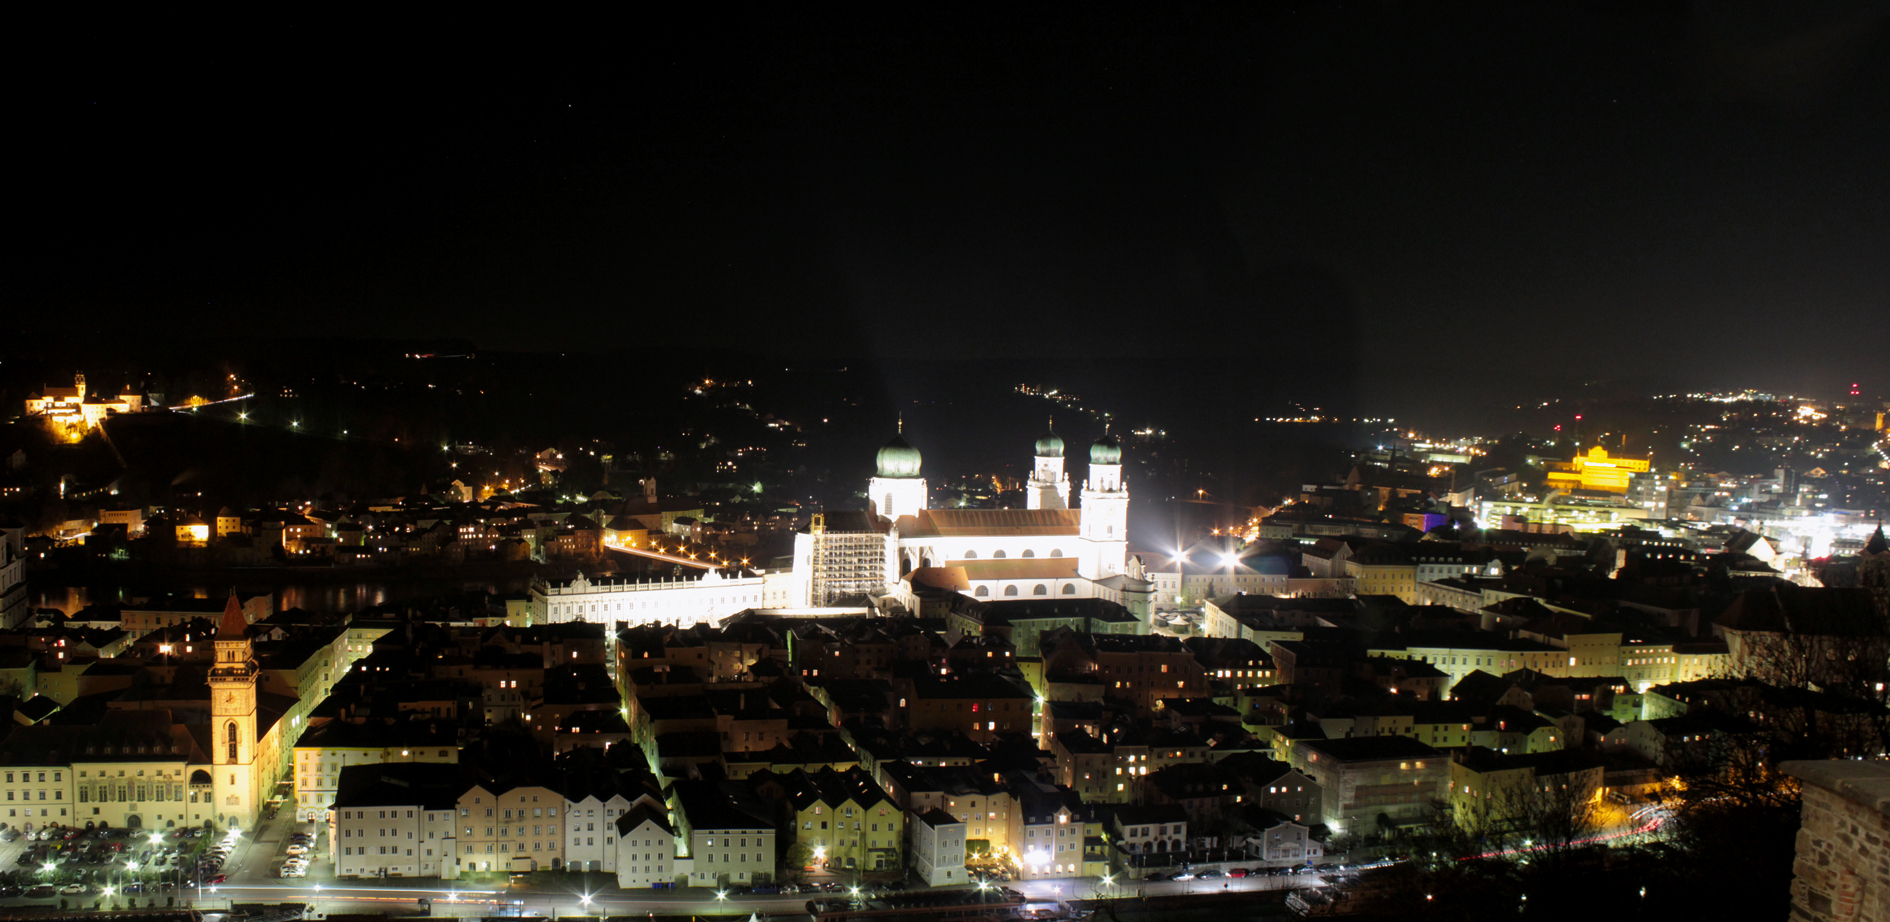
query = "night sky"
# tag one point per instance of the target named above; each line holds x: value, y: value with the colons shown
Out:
x: 1414, y: 189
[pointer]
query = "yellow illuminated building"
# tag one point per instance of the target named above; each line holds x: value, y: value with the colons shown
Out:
x: 1596, y: 471
x: 71, y: 412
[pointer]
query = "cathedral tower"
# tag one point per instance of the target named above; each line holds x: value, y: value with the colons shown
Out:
x: 1105, y: 523
x: 897, y: 489
x: 1049, y: 486
x: 233, y: 719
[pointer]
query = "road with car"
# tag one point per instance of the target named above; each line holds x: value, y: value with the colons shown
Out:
x: 209, y: 870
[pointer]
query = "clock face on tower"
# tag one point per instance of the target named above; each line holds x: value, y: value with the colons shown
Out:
x: 229, y: 698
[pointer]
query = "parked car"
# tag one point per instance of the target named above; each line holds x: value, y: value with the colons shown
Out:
x: 41, y: 892
x: 1207, y: 874
x: 1237, y: 872
x: 1158, y: 876
x: 216, y: 878
x: 9, y: 891
x: 70, y: 889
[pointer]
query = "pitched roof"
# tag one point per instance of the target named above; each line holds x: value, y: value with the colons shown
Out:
x: 1817, y: 611
x: 640, y: 814
x: 936, y: 818
x: 1149, y: 816
x: 965, y: 523
x: 233, y: 625
x: 428, y: 785
x: 1372, y: 748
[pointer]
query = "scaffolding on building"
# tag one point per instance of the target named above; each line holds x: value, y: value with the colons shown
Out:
x: 846, y: 564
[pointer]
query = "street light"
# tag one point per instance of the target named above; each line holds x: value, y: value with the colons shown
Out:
x: 721, y: 895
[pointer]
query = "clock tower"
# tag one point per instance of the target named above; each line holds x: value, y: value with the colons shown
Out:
x: 233, y: 719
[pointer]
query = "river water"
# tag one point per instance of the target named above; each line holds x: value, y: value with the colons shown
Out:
x: 341, y: 597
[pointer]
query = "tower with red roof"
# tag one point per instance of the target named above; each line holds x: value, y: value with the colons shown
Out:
x: 233, y: 718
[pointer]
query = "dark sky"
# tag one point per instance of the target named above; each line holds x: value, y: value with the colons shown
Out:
x: 1609, y: 189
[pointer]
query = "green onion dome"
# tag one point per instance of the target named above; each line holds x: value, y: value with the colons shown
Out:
x: 898, y: 459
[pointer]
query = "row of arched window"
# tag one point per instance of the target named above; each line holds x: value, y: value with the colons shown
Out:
x: 984, y: 592
x: 1000, y: 555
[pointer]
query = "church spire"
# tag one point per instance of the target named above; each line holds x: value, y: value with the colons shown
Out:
x: 233, y: 626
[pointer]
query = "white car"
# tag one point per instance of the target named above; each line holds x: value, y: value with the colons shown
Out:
x: 296, y: 850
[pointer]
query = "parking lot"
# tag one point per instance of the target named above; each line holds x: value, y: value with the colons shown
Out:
x: 81, y: 867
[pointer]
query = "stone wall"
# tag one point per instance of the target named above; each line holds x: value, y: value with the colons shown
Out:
x: 1842, y: 872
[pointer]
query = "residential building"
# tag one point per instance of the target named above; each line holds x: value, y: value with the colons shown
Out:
x: 646, y: 849
x: 395, y: 820
x: 511, y: 825
x: 1150, y: 830
x: 1364, y: 777
x: 1493, y: 791
x: 730, y: 840
x: 938, y: 848
x: 331, y: 746
x: 845, y: 818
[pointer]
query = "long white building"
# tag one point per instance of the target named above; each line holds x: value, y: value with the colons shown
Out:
x: 685, y: 600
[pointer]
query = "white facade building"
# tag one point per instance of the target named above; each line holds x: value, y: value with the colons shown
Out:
x: 395, y: 820
x: 593, y: 824
x: 702, y: 600
x: 938, y: 848
x: 646, y: 853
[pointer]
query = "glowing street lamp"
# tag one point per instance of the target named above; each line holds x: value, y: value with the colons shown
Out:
x: 721, y: 895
